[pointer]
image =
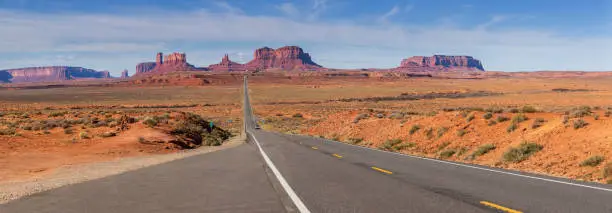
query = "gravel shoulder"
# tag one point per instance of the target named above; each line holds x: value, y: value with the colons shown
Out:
x: 79, y: 173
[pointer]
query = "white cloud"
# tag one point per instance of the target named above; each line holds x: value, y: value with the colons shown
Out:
x: 289, y: 9
x: 227, y: 7
x: 392, y: 12
x: 319, y: 6
x: 118, y: 41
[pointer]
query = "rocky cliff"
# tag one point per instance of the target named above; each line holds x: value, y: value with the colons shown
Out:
x: 227, y: 65
x: 169, y: 63
x: 51, y: 73
x: 441, y: 63
x: 286, y: 58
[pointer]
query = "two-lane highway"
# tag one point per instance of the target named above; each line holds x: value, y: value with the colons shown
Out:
x: 329, y: 176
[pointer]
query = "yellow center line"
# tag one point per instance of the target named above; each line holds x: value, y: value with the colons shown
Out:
x: 337, y: 155
x: 314, y: 147
x: 382, y: 170
x: 495, y: 206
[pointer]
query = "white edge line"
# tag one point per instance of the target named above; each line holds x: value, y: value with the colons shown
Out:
x: 476, y: 167
x: 296, y: 200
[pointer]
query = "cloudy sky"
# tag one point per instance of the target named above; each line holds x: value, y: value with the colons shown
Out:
x: 519, y: 35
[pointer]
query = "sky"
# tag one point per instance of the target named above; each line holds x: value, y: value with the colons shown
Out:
x: 518, y: 35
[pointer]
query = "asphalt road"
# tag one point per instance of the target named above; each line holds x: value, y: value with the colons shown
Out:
x: 289, y: 173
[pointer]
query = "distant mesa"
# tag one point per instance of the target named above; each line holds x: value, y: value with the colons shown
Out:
x: 50, y: 74
x: 124, y: 74
x: 170, y: 63
x: 227, y: 65
x: 440, y: 63
x: 285, y: 58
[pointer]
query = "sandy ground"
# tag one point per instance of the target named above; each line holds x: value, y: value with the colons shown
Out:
x: 70, y: 174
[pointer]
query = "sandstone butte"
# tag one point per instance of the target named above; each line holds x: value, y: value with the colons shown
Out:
x: 285, y: 58
x: 124, y: 74
x: 50, y: 73
x: 440, y: 63
x: 173, y: 62
x: 227, y: 65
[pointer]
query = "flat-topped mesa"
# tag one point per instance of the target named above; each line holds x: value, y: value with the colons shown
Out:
x: 285, y: 58
x: 169, y: 63
x: 52, y: 73
x: 227, y: 65
x: 442, y: 63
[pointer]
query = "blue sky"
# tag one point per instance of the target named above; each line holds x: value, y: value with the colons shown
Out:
x: 519, y: 35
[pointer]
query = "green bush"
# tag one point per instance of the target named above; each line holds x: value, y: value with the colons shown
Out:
x: 414, y: 128
x: 403, y: 146
x: 581, y: 111
x: 494, y: 110
x: 514, y: 110
x: 389, y: 144
x: 441, y: 131
x: 297, y: 115
x: 529, y: 109
x: 461, y: 132
x: 501, y: 118
x: 83, y: 135
x: 462, y: 151
x: 483, y: 149
x: 487, y: 115
x: 150, y: 122
x: 580, y: 123
x: 9, y: 131
x: 447, y: 153
x: 355, y: 140
x: 513, y: 126
x: 522, y: 152
x: 519, y: 118
x: 592, y: 161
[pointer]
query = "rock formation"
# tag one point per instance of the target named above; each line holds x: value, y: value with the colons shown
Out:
x: 286, y: 58
x: 124, y: 74
x: 51, y: 73
x: 227, y: 65
x: 169, y: 63
x: 440, y: 63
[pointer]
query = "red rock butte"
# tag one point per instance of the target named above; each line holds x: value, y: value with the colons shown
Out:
x: 226, y: 65
x: 285, y: 58
x: 440, y: 63
x: 172, y: 62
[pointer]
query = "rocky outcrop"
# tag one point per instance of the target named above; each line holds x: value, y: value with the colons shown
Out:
x: 227, y: 65
x: 52, y: 73
x: 124, y: 74
x: 285, y: 58
x: 441, y: 63
x: 169, y: 63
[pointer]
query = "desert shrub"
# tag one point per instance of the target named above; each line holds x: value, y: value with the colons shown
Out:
x: 514, y: 110
x: 608, y: 113
x: 494, y: 110
x: 481, y: 150
x: 396, y: 115
x: 297, y: 115
x: 142, y: 139
x: 27, y: 127
x: 538, y: 122
x: 565, y: 119
x: 441, y: 131
x: 491, y: 123
x: 414, y: 128
x: 607, y: 170
x: 150, y: 122
x: 519, y: 118
x: 462, y: 151
x: 595, y: 116
x: 380, y: 115
x: 9, y: 131
x: 432, y: 113
x: 529, y: 109
x: 388, y: 144
x: 513, y: 126
x: 83, y: 135
x: 580, y: 123
x: 403, y: 146
x: 447, y: 153
x: 592, y: 161
x: 501, y: 118
x: 470, y: 117
x: 461, y: 132
x: 109, y: 134
x: 46, y: 132
x: 68, y: 131
x: 464, y: 114
x: 487, y: 115
x: 429, y: 133
x: 355, y: 140
x: 360, y: 117
x: 57, y: 114
x: 581, y: 111
x: 522, y: 152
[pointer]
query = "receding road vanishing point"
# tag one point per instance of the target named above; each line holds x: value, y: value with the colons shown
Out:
x: 276, y: 172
